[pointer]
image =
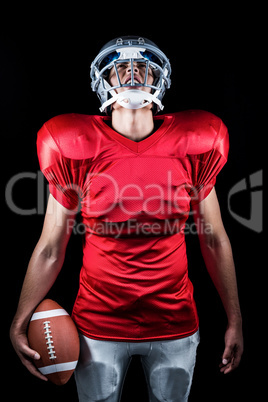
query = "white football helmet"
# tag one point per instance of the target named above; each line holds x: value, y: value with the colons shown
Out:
x: 130, y: 49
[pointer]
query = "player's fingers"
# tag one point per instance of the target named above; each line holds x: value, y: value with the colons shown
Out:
x: 27, y: 358
x: 231, y: 358
x: 227, y: 355
x: 27, y: 355
x: 227, y: 361
x: 30, y: 353
x: 226, y: 368
x: 234, y: 363
x: 32, y: 369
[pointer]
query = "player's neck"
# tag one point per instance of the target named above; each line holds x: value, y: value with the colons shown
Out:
x: 133, y: 124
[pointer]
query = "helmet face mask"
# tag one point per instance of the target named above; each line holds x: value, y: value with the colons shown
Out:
x: 130, y: 50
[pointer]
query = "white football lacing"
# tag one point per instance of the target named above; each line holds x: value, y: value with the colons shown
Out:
x: 49, y: 342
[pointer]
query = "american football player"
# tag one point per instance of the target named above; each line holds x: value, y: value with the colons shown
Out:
x: 135, y: 176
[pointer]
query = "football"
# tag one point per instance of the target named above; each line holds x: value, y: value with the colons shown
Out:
x: 53, y: 334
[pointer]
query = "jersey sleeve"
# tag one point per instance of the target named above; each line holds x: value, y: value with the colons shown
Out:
x: 206, y: 166
x: 62, y: 173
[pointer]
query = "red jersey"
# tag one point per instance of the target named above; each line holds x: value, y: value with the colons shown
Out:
x: 135, y: 199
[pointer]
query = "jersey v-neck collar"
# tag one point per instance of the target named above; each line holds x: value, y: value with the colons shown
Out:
x: 142, y: 145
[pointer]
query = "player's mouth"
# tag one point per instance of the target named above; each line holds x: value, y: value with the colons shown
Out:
x: 136, y: 80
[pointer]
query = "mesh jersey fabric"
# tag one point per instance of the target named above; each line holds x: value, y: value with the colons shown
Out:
x: 134, y: 199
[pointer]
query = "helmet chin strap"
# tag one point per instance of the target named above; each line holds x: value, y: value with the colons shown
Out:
x: 132, y: 99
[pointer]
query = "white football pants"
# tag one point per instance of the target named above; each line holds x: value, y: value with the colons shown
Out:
x: 168, y: 366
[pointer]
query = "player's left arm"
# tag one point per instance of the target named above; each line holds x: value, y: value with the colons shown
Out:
x: 217, y: 254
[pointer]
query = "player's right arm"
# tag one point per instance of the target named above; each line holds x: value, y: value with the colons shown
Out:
x: 43, y: 269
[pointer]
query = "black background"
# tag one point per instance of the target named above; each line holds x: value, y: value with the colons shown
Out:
x: 218, y: 64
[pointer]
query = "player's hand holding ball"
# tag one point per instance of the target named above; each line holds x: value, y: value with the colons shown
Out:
x: 51, y: 349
